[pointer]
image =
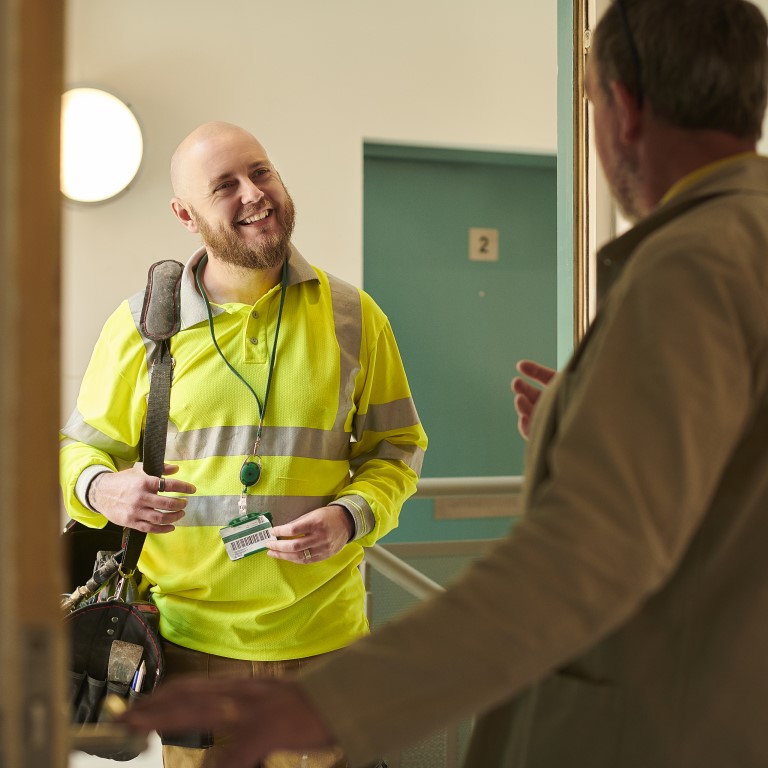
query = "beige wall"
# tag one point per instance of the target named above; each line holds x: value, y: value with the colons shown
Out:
x: 313, y: 81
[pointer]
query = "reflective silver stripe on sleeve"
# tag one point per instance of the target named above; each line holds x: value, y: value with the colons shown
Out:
x: 361, y: 512
x: 411, y: 455
x: 221, y: 510
x: 303, y: 442
x: 79, y: 430
x: 386, y: 417
x: 348, y: 322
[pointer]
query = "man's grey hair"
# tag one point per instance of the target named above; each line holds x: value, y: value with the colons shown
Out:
x: 699, y: 64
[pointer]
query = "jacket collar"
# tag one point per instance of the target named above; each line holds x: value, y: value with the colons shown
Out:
x: 747, y: 175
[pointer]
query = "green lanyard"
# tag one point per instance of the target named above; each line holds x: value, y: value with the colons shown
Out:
x: 250, y: 471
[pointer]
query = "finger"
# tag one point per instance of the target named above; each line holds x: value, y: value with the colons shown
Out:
x: 533, y: 370
x: 291, y: 549
x: 290, y: 544
x: 170, y: 469
x: 526, y: 389
x: 161, y: 517
x: 177, y: 707
x: 293, y: 530
x: 142, y: 522
x: 189, y: 691
x: 523, y: 406
x: 524, y: 409
x: 169, y: 485
x: 167, y: 503
x: 146, y: 527
x: 155, y: 521
x: 302, y: 555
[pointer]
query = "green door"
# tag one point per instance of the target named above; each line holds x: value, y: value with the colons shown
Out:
x: 460, y: 252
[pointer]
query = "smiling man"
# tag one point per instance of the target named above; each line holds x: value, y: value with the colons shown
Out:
x: 289, y: 398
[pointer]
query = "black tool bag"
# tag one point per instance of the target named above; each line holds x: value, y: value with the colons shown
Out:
x: 114, y: 638
x: 116, y: 652
x: 98, y: 667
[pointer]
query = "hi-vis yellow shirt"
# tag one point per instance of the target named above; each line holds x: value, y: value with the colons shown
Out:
x: 340, y: 426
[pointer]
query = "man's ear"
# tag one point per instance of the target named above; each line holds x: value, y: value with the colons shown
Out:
x: 629, y: 115
x: 181, y: 211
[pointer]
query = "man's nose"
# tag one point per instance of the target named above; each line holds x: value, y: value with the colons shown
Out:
x: 251, y: 192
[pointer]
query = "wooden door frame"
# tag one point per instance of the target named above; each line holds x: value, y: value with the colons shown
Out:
x: 582, y: 195
x: 33, y: 731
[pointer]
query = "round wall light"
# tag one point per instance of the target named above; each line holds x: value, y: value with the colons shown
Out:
x: 101, y: 145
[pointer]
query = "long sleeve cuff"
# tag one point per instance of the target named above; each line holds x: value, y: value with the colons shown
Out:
x: 362, y: 514
x: 87, y: 476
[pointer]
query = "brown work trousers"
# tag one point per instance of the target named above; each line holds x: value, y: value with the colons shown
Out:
x: 183, y: 661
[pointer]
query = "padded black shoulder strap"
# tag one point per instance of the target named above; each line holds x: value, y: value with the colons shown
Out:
x: 160, y: 319
x: 161, y: 312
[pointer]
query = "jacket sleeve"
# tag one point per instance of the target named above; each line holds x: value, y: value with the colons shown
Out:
x: 389, y: 440
x: 104, y: 430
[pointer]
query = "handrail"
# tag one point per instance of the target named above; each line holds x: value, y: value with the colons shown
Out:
x: 399, y: 572
x: 500, y: 485
x: 406, y: 576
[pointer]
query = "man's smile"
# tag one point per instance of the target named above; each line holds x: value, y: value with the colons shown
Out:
x: 253, y: 218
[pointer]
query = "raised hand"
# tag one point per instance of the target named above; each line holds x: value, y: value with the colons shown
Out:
x: 526, y: 393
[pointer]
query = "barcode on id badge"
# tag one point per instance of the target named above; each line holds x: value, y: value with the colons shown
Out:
x: 247, y: 541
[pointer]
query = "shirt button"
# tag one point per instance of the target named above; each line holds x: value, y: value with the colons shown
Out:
x: 254, y: 340
x: 255, y: 315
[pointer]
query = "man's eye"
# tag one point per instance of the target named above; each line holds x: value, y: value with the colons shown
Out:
x: 223, y: 186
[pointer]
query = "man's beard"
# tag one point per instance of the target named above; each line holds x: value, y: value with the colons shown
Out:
x: 225, y: 243
x: 624, y: 187
x: 626, y: 200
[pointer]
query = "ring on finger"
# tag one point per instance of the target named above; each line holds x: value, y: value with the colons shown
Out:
x: 307, y: 554
x: 161, y: 485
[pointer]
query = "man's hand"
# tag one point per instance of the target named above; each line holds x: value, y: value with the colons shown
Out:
x: 131, y: 499
x: 526, y: 394
x: 252, y: 717
x: 318, y: 535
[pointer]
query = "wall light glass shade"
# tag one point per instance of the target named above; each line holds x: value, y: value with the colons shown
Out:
x: 101, y: 145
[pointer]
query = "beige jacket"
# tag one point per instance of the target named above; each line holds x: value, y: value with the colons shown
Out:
x: 627, y: 613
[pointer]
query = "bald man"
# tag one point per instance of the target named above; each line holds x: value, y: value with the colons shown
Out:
x: 289, y: 398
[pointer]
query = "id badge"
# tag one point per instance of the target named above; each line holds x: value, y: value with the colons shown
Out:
x: 247, y: 535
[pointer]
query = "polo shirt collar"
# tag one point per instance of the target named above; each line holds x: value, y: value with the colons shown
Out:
x: 193, y: 309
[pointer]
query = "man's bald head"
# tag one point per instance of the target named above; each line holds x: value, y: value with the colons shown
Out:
x: 227, y: 191
x: 203, y: 143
